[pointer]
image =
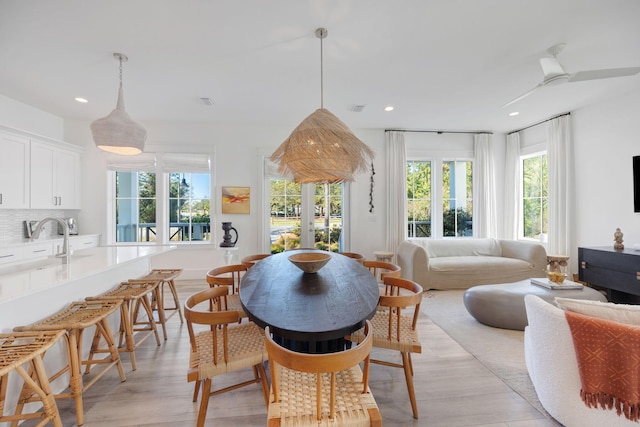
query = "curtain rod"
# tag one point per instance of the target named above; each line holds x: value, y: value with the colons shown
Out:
x: 439, y: 132
x: 539, y: 123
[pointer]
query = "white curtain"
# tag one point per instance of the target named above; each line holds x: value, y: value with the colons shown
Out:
x: 485, y: 200
x: 396, y: 189
x: 560, y: 171
x: 511, y: 213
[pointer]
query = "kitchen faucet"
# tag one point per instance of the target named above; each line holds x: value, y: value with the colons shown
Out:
x: 65, y: 246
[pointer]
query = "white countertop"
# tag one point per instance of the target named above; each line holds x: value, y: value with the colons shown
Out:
x: 34, y: 277
x: 42, y: 239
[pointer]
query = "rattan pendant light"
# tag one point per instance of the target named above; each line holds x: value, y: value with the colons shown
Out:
x: 117, y: 133
x: 322, y: 148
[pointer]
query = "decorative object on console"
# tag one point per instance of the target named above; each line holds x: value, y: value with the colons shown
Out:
x: 322, y: 148
x: 226, y: 239
x: 617, y: 238
x: 557, y: 268
x: 117, y: 133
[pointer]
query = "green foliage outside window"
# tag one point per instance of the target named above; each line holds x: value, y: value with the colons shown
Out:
x: 535, y: 196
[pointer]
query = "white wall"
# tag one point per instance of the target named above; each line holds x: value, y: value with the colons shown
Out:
x: 24, y: 117
x: 236, y: 162
x: 605, y: 140
x: 606, y: 137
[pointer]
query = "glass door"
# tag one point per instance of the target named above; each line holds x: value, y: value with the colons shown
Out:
x: 305, y: 216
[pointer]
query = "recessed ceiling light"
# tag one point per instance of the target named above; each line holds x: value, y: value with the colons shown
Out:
x: 514, y: 113
x: 82, y: 100
x: 388, y: 108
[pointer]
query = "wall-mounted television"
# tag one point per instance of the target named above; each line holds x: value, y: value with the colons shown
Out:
x: 636, y: 183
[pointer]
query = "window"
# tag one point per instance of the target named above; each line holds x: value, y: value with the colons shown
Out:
x: 535, y: 196
x: 457, y: 198
x: 135, y: 206
x: 189, y: 206
x: 419, y: 198
x: 445, y: 210
x: 164, y: 201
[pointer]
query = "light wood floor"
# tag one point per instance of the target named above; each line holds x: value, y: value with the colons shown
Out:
x: 452, y: 389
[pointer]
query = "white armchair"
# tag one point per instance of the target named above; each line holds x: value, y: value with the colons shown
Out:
x: 551, y: 361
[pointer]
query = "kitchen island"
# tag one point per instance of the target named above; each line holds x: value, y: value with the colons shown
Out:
x: 34, y: 290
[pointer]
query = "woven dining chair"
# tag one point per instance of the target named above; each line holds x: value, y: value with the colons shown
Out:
x: 382, y: 270
x: 356, y: 256
x: 229, y: 276
x: 394, y: 331
x: 251, y: 260
x: 342, y: 395
x: 218, y: 346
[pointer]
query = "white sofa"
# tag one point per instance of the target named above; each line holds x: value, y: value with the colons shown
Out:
x: 551, y: 361
x: 462, y: 263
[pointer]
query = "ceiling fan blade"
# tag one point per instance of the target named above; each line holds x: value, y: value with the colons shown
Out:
x: 551, y: 67
x: 521, y: 97
x: 604, y: 74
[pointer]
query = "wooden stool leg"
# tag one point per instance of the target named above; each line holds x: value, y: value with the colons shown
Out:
x: 48, y: 399
x: 115, y: 355
x: 127, y: 328
x: 159, y: 296
x: 144, y: 300
x: 176, y: 300
x: 75, y: 380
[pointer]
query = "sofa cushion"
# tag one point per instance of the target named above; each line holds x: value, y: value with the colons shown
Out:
x: 623, y: 313
x: 476, y: 264
x: 459, y: 247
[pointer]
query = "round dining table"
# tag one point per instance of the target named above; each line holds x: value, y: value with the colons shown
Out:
x: 309, y: 312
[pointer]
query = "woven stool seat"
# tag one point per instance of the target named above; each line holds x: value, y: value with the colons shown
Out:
x: 166, y: 277
x: 74, y: 319
x: 133, y: 294
x: 17, y: 349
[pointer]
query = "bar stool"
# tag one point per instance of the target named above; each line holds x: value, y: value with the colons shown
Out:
x: 166, y: 277
x: 73, y: 320
x: 17, y: 349
x: 133, y: 294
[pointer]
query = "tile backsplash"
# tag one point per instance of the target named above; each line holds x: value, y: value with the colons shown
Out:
x: 11, y: 222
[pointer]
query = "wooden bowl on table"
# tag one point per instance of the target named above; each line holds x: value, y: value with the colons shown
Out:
x: 310, y: 262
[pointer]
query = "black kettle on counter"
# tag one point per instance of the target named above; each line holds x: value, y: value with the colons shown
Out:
x: 226, y: 239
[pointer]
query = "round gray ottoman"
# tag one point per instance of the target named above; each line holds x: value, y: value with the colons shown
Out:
x: 502, y: 306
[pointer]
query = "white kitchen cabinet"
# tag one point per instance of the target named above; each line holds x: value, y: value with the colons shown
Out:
x: 10, y: 254
x: 14, y: 172
x: 55, y: 177
x: 77, y: 243
x: 37, y: 250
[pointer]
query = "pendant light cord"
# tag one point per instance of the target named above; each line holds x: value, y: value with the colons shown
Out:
x: 321, y: 76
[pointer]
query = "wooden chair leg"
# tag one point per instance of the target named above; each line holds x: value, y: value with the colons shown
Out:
x: 204, y: 402
x: 265, y: 386
x: 406, y: 363
x: 196, y: 390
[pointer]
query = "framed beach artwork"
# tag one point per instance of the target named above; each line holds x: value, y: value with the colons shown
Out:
x: 236, y: 200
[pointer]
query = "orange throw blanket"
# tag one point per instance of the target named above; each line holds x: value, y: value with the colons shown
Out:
x: 608, y: 356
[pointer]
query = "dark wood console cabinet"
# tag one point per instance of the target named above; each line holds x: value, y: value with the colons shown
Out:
x: 616, y: 270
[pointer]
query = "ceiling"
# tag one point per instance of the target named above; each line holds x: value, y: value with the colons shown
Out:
x: 443, y: 64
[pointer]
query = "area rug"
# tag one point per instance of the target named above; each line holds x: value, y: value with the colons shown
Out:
x: 499, y: 350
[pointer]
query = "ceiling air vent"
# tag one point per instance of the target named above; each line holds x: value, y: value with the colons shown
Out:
x: 357, y: 108
x: 207, y: 101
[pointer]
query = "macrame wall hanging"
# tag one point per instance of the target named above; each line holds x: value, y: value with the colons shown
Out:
x: 373, y: 172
